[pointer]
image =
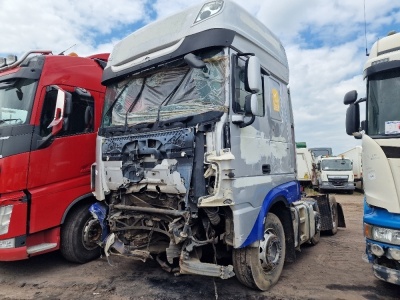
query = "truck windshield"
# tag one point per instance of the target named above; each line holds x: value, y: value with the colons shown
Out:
x: 384, y: 103
x: 168, y: 92
x: 16, y: 96
x: 336, y: 165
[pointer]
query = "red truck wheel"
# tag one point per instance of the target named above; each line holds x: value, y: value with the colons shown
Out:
x: 77, y: 244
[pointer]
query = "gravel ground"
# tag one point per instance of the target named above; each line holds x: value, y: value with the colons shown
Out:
x: 333, y: 269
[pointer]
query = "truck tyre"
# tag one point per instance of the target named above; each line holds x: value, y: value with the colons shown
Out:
x: 334, y: 215
x: 77, y: 236
x: 315, y: 239
x: 260, y: 267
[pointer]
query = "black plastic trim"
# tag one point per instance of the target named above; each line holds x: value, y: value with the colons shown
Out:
x: 385, y: 66
x: 391, y: 152
x: 208, y: 117
x: 15, y: 139
x: 20, y: 241
x: 205, y: 39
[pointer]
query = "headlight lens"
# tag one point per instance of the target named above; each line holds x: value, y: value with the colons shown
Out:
x: 6, y: 244
x: 5, y: 216
x: 385, y: 235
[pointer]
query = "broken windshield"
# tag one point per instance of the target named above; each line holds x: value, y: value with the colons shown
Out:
x: 168, y: 92
x: 16, y: 98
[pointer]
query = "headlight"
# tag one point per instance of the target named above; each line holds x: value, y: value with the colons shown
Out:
x: 6, y: 244
x: 5, y: 216
x: 385, y: 235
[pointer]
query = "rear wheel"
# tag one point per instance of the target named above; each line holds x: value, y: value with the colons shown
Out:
x: 315, y: 239
x: 78, y: 236
x: 260, y: 267
x: 334, y: 215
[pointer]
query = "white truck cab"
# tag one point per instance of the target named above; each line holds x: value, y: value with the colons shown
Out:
x: 335, y: 173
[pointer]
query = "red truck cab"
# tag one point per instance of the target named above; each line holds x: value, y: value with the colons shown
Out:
x: 50, y: 109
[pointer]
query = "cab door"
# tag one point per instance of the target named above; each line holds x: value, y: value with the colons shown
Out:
x: 59, y: 169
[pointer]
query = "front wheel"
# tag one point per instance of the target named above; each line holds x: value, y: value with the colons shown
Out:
x: 260, y: 267
x: 78, y: 235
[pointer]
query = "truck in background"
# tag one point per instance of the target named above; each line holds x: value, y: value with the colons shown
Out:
x: 334, y: 173
x: 380, y: 134
x: 321, y: 151
x: 196, y: 158
x: 304, y: 163
x: 50, y: 109
x: 355, y: 155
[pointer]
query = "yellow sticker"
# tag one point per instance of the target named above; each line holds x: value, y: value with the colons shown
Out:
x: 275, y: 100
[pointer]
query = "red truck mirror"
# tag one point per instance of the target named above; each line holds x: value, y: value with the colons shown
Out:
x: 62, y: 110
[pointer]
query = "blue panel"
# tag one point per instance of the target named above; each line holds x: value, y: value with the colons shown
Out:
x: 290, y: 191
x: 380, y: 217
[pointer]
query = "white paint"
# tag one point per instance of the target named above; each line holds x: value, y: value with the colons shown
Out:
x: 253, y: 145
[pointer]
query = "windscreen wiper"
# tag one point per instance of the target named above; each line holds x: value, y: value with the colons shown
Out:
x: 6, y: 120
x: 169, y: 97
x: 134, y: 102
x: 116, y: 99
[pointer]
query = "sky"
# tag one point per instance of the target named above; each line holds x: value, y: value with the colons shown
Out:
x: 325, y: 41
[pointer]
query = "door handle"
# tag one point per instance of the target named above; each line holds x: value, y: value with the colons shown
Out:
x: 266, y: 169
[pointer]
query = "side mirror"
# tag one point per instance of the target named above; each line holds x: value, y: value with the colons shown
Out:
x: 353, y: 119
x: 251, y: 105
x: 363, y: 125
x: 350, y: 97
x: 253, y: 75
x: 63, y: 108
x: 319, y: 166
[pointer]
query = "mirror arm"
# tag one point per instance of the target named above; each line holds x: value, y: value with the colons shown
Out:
x: 245, y: 124
x: 44, y: 142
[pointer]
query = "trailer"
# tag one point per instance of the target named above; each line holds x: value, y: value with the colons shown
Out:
x: 355, y: 154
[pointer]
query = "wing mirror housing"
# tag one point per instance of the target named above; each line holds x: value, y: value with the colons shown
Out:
x: 253, y: 75
x: 353, y: 120
x: 350, y: 97
x: 61, y: 112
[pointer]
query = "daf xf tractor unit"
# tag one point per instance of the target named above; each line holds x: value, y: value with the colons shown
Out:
x: 195, y: 158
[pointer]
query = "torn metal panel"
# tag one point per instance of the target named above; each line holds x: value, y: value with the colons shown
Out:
x: 220, y: 167
x: 192, y: 265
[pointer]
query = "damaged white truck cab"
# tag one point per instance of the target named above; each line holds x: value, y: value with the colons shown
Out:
x: 196, y: 152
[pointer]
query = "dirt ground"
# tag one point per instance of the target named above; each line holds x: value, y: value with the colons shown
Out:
x: 333, y: 269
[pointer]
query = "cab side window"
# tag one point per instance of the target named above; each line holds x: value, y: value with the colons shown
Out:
x: 240, y: 91
x: 80, y: 120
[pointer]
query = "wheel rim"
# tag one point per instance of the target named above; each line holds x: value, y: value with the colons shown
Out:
x: 91, y: 234
x: 270, y: 251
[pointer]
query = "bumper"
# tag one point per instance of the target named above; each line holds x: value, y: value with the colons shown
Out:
x: 348, y: 186
x: 13, y: 254
x: 387, y: 274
